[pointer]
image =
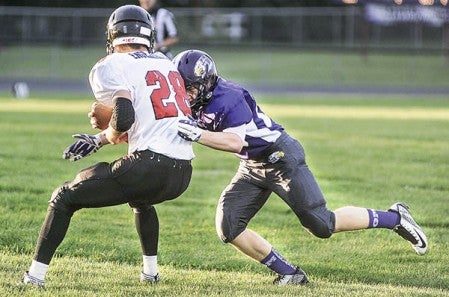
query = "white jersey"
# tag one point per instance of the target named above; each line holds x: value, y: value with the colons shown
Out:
x: 158, y: 98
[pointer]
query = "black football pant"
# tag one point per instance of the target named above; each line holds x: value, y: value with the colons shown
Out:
x: 141, y: 179
x: 289, y: 177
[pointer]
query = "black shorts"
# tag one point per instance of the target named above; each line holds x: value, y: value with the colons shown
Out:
x: 141, y: 178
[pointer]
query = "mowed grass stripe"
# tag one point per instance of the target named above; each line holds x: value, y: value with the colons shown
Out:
x: 359, y: 112
x: 45, y: 106
x: 290, y: 110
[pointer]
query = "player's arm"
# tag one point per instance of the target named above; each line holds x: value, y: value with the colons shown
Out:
x: 229, y: 140
x: 123, y: 117
x: 121, y: 121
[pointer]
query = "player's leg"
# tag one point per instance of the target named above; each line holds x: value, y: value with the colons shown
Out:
x: 291, y: 179
x: 298, y: 187
x: 142, y: 176
x: 397, y: 218
x: 148, y: 179
x: 350, y: 218
x: 89, y: 189
x: 258, y: 248
x: 147, y: 226
x: 252, y: 244
x: 300, y: 190
x: 239, y: 202
x: 162, y: 179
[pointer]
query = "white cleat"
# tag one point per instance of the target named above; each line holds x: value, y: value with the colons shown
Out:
x: 409, y: 229
x: 152, y: 279
x: 299, y: 278
x: 31, y: 280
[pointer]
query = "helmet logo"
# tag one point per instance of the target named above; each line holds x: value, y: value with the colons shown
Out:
x: 201, y: 67
x: 129, y: 39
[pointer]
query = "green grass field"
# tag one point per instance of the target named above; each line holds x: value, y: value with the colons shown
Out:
x: 364, y: 151
x: 264, y: 65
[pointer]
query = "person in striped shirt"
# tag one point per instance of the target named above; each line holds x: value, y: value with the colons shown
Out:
x: 166, y: 31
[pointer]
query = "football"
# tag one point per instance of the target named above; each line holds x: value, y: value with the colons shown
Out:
x: 100, y: 115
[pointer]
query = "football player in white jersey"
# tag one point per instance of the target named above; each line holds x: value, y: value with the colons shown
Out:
x: 147, y: 97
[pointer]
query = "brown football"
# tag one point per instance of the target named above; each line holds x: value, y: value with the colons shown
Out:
x: 100, y: 115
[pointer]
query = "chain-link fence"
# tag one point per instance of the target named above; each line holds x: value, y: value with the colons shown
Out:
x: 342, y: 46
x: 344, y: 28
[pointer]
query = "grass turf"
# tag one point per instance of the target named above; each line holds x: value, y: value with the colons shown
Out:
x: 363, y: 152
x: 268, y: 65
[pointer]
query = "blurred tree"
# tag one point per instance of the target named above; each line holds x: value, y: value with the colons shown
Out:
x: 245, y: 3
x: 66, y: 3
x: 168, y: 3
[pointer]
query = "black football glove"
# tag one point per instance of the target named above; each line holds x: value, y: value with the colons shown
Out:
x: 85, y: 145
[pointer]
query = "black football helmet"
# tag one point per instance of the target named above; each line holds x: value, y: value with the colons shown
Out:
x: 130, y: 24
x: 198, y: 70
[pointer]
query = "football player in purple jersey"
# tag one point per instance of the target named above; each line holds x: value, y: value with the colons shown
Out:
x: 227, y: 117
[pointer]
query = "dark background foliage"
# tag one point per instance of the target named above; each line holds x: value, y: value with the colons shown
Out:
x: 168, y: 3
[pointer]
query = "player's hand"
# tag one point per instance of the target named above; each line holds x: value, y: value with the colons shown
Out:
x: 99, y: 115
x: 189, y: 130
x: 83, y: 147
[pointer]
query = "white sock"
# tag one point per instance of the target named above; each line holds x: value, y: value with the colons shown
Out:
x: 38, y: 270
x: 150, y: 265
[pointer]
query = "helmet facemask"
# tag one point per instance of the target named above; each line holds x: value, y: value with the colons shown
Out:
x: 203, y: 97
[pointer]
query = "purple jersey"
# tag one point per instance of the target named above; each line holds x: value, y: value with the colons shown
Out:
x: 232, y: 106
